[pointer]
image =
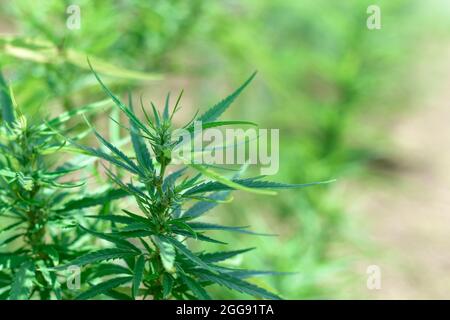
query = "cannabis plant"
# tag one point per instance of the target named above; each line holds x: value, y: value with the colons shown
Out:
x: 150, y: 245
x: 36, y: 229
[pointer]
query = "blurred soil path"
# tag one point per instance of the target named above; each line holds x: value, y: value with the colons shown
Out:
x: 409, y: 216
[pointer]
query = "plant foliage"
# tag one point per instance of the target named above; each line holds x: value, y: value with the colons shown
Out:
x: 152, y: 243
x: 37, y: 208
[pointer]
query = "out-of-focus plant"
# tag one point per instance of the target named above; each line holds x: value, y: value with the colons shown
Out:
x: 324, y: 70
x: 37, y: 231
x: 117, y: 36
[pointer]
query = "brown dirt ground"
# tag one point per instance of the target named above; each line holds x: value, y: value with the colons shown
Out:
x: 409, y: 217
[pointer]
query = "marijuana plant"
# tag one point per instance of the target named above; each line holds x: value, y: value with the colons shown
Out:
x: 35, y: 234
x: 149, y: 244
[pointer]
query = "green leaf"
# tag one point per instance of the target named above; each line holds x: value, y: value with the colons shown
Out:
x: 10, y: 239
x: 79, y: 59
x: 184, y: 226
x: 195, y: 287
x: 117, y: 295
x: 187, y: 253
x: 5, y: 279
x: 103, y: 287
x: 114, y: 218
x: 156, y: 115
x: 106, y: 269
x: 64, y: 117
x: 133, y: 234
x: 137, y: 226
x: 142, y: 154
x: 118, y: 103
x: 138, y: 275
x: 222, y: 255
x: 217, y: 110
x: 119, y: 153
x: 100, y: 154
x: 101, y: 255
x: 254, y: 183
x: 237, y: 284
x: 240, y: 273
x: 166, y: 252
x: 11, y: 226
x: 11, y: 261
x: 198, y: 236
x: 230, y: 184
x: 6, y: 103
x: 114, y: 125
x: 167, y: 282
x: 52, y: 253
x: 170, y: 180
x: 166, y: 108
x: 208, y: 125
x: 202, y: 207
x: 22, y: 282
x: 210, y: 226
x: 94, y: 200
x: 135, y: 216
x: 109, y: 237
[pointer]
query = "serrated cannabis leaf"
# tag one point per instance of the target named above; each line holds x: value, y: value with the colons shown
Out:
x: 166, y: 251
x: 103, y: 287
x: 187, y: 253
x: 195, y: 287
x: 238, y: 285
x: 138, y: 275
x: 222, y: 255
x: 101, y: 255
x: 217, y: 110
x: 22, y: 280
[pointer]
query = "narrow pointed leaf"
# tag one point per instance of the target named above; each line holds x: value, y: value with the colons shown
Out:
x: 94, y: 200
x: 187, y: 253
x: 202, y: 207
x: 249, y: 183
x: 238, y: 285
x: 108, y: 237
x: 217, y: 110
x: 211, y: 226
x: 138, y: 275
x: 166, y: 107
x: 101, y: 255
x: 6, y: 103
x: 22, y: 282
x: 222, y: 255
x: 208, y: 125
x: 118, y: 153
x: 166, y: 252
x: 196, y: 288
x: 142, y: 154
x: 118, y: 103
x: 103, y: 287
x: 226, y: 182
x: 167, y: 283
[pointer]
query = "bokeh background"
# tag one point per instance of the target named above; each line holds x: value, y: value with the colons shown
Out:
x: 370, y: 108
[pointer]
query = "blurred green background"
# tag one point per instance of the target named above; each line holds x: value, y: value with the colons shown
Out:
x: 336, y: 90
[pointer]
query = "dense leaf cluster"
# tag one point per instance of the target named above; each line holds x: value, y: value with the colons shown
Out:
x: 36, y: 235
